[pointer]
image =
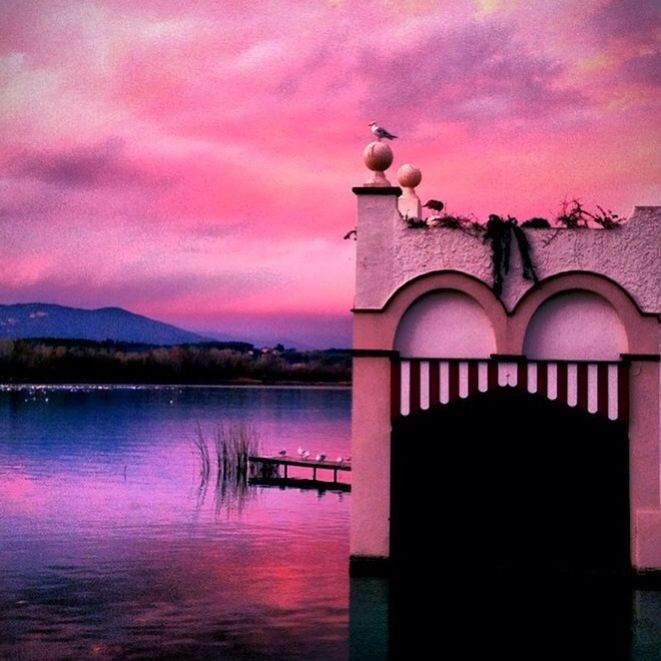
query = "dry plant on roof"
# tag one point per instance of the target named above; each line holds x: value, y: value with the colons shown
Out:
x: 499, y: 232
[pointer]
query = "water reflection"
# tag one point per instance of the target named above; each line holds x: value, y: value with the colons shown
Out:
x: 108, y: 550
x: 498, y: 617
x: 369, y: 611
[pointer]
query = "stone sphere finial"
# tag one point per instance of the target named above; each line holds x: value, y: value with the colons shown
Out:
x: 378, y: 157
x: 409, y: 176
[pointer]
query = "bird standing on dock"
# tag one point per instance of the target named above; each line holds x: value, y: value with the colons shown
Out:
x: 340, y: 460
x: 300, y: 451
x: 321, y: 457
x: 380, y: 132
x: 306, y: 454
x: 282, y: 453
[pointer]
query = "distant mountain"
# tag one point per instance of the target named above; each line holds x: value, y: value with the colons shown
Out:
x: 25, y: 320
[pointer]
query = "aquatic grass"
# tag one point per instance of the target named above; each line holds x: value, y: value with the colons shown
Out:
x: 200, y: 443
x: 233, y: 445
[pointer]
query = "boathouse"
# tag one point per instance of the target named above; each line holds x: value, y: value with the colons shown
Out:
x: 521, y: 427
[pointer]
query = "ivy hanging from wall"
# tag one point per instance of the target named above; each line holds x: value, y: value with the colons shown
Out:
x: 499, y: 232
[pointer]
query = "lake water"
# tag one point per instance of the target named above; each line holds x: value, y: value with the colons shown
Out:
x: 110, y: 547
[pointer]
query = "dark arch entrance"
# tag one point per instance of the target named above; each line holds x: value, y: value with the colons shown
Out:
x: 508, y: 481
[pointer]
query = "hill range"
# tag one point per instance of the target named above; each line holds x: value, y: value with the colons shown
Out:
x: 43, y: 320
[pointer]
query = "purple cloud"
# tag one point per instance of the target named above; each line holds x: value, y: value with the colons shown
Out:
x: 645, y: 69
x: 631, y: 19
x: 475, y: 74
x: 135, y: 288
x: 99, y: 165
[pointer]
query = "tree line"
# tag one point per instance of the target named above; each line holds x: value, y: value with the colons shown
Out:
x: 85, y: 361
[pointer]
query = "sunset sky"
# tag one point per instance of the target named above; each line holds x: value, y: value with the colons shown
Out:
x: 193, y: 161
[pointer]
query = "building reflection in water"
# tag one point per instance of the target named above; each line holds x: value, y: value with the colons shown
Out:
x: 526, y: 618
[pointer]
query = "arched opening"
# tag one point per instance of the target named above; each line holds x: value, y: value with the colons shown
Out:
x: 445, y: 323
x: 575, y: 325
x: 509, y: 481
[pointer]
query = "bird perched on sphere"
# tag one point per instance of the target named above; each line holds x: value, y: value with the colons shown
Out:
x: 434, y: 205
x: 380, y: 132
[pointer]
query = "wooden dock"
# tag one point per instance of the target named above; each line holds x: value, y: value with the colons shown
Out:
x: 319, y: 470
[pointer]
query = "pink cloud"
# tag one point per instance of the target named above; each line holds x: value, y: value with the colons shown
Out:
x: 213, y: 148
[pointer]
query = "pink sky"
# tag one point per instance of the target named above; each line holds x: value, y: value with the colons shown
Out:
x: 194, y: 161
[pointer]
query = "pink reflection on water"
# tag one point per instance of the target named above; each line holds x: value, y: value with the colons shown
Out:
x: 109, y: 546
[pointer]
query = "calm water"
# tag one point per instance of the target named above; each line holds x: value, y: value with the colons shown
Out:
x: 110, y: 548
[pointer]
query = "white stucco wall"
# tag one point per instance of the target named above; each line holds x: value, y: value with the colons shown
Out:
x: 390, y: 254
x: 445, y: 323
x: 575, y: 325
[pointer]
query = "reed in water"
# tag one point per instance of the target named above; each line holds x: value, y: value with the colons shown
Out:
x: 200, y: 443
x: 232, y: 445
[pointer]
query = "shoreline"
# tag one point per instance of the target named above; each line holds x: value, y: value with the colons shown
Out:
x: 59, y: 385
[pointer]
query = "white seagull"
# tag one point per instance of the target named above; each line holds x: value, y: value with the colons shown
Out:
x: 380, y: 132
x: 320, y: 457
